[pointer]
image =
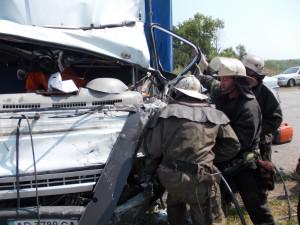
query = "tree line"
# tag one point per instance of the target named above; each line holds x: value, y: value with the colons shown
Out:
x: 203, y: 31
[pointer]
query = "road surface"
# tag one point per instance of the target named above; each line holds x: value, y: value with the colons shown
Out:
x: 285, y: 156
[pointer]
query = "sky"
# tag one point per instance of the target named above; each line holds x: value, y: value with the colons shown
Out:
x: 267, y: 28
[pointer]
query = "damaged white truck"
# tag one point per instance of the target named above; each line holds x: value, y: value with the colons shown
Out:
x: 68, y: 152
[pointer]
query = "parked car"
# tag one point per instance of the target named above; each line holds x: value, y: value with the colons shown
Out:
x: 272, y: 84
x: 289, y: 77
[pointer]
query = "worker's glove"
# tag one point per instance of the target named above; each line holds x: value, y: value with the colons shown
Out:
x: 203, y: 62
x: 202, y: 66
x: 158, y: 189
x: 147, y: 184
x: 298, y: 167
x: 266, y: 175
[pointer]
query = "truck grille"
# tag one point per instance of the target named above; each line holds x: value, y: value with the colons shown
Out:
x: 50, y: 180
x: 69, y: 105
x: 21, y: 106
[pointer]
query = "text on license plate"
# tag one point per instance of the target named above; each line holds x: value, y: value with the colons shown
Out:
x: 43, y: 222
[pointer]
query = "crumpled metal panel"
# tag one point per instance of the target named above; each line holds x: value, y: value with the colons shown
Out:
x: 127, y: 43
x: 29, y: 19
x: 66, y: 142
x: 114, y: 175
x: 71, y: 13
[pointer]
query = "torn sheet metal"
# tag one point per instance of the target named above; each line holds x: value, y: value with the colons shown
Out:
x: 77, y: 24
x: 114, y: 176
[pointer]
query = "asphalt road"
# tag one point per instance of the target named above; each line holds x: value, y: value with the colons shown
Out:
x: 285, y: 156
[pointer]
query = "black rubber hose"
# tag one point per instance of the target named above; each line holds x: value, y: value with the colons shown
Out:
x: 235, y: 202
x: 35, y: 171
x: 286, y: 193
x: 17, y: 166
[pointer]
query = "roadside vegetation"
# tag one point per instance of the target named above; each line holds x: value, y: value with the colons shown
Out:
x: 273, y: 67
x: 276, y: 200
x: 204, y: 32
x: 278, y: 205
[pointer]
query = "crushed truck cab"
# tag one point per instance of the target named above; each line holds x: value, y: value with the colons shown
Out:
x: 70, y: 145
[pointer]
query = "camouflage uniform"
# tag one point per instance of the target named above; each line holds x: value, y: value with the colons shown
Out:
x: 184, y: 142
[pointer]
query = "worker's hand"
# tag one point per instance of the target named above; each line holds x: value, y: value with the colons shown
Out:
x: 147, y: 185
x: 298, y: 167
x: 203, y: 62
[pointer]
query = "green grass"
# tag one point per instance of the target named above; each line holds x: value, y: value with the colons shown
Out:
x: 278, y: 206
x: 276, y: 201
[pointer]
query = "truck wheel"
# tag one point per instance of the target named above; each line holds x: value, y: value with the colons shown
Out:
x: 291, y: 83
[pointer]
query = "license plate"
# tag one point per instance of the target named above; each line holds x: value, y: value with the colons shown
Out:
x: 43, y: 222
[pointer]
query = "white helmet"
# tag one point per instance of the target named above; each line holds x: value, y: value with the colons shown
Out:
x: 189, y: 85
x: 254, y: 63
x: 228, y: 67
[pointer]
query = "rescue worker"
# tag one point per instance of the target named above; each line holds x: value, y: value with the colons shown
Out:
x: 269, y: 105
x: 182, y: 142
x: 233, y: 95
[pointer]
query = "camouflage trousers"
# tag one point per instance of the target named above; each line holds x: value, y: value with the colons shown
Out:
x: 203, y: 199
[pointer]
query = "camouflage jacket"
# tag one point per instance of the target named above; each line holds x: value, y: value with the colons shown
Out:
x: 193, y: 133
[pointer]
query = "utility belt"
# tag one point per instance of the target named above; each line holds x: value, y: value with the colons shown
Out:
x: 265, y: 170
x: 246, y: 160
x: 185, y: 167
